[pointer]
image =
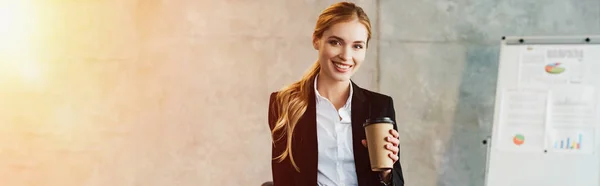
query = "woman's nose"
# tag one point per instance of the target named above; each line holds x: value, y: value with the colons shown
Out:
x: 346, y: 54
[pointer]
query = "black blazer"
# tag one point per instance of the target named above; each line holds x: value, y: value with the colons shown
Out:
x: 365, y: 104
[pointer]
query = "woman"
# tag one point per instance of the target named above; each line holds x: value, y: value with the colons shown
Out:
x: 316, y: 123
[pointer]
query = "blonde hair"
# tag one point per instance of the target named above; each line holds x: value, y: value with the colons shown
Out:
x: 293, y: 99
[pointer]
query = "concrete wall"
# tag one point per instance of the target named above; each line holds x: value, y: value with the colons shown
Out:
x: 159, y: 93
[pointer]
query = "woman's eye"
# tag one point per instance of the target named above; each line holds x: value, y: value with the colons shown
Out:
x: 334, y: 42
x: 358, y: 46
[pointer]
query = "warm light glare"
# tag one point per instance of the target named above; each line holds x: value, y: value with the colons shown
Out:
x: 16, y: 23
x: 17, y: 29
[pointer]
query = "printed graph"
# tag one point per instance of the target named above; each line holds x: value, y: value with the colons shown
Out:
x: 572, y: 140
x: 569, y: 143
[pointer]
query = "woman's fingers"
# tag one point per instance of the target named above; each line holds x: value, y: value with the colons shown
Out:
x: 393, y: 157
x: 392, y: 148
x: 393, y: 140
x: 394, y: 133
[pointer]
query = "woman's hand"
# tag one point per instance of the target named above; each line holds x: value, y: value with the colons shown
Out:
x: 392, y: 146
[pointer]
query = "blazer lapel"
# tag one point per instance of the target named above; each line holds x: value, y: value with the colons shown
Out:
x: 360, y: 112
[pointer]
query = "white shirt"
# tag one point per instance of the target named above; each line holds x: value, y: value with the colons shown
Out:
x: 334, y: 136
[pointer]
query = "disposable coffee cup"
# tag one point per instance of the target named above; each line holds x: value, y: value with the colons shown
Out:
x: 377, y: 130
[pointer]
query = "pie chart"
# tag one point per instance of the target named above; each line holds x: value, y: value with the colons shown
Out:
x: 554, y: 68
x: 519, y: 139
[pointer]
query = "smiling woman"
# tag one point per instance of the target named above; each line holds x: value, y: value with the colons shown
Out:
x: 17, y: 32
x: 316, y: 122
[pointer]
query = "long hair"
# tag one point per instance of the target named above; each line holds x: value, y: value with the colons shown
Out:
x: 293, y: 99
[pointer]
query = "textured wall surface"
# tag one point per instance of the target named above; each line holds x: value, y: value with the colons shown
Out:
x: 439, y: 61
x: 149, y: 93
x: 157, y: 93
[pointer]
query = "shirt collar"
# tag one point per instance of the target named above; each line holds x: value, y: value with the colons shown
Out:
x: 319, y: 97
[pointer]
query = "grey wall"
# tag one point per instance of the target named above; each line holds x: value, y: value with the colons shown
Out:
x: 154, y: 93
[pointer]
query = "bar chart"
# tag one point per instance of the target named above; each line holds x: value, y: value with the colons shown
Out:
x: 571, y: 140
x: 569, y: 143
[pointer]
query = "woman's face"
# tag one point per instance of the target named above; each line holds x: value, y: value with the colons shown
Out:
x: 342, y: 49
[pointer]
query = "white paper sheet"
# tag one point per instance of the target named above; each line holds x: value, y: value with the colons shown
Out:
x: 523, y: 120
x: 572, y: 119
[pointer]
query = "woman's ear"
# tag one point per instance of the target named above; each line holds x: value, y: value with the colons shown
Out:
x: 315, y: 43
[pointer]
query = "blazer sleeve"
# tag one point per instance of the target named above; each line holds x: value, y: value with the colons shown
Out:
x: 281, y: 171
x: 397, y: 176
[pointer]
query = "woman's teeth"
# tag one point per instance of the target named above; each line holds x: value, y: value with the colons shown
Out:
x: 342, y: 66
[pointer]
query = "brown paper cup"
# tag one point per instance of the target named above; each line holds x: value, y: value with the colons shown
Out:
x: 376, y: 130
